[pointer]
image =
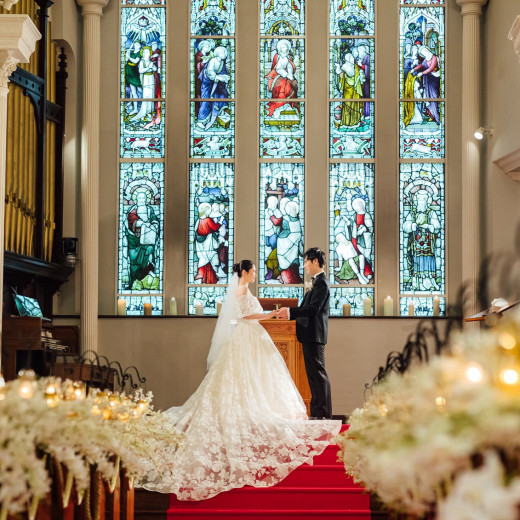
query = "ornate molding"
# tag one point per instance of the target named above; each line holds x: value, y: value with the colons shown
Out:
x: 7, y: 4
x: 514, y: 35
x: 510, y: 164
x: 471, y: 6
x: 8, y: 65
x: 92, y: 7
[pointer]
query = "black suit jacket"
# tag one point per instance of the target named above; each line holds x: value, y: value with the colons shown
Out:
x: 312, y: 316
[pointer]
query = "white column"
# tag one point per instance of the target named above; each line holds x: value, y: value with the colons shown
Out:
x: 92, y: 11
x: 18, y: 37
x: 471, y: 81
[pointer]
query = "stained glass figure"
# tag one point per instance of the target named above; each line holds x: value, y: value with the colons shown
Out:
x: 351, y: 17
x: 422, y: 56
x: 211, y: 223
x: 282, y: 17
x: 218, y: 141
x: 420, y: 135
x: 422, y: 229
x: 422, y: 306
x: 352, y: 129
x: 351, y: 74
x: 281, y: 223
x: 135, y: 305
x: 141, y: 210
x: 282, y: 135
x: 354, y: 296
x: 278, y: 291
x: 351, y: 224
x: 143, y: 60
x: 213, y: 17
x: 143, y: 2
x: 282, y: 74
x: 208, y: 297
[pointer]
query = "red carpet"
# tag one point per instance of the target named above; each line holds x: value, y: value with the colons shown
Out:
x: 314, y: 492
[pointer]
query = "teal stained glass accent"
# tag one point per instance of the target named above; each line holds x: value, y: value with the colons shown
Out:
x: 282, y: 71
x: 282, y: 134
x: 351, y: 70
x: 208, y: 297
x: 142, y: 137
x: 349, y: 18
x: 352, y: 129
x: 421, y: 136
x: 354, y: 296
x: 281, y: 223
x: 143, y: 2
x: 211, y: 223
x: 423, y: 2
x: 282, y: 18
x: 143, y: 56
x: 135, y: 305
x: 212, y: 17
x: 278, y: 291
x: 351, y: 224
x: 422, y: 239
x: 141, y: 225
x: 218, y: 140
x: 423, y: 306
x: 422, y: 53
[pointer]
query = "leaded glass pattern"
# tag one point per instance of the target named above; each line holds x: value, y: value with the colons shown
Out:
x: 141, y: 228
x: 282, y: 134
x: 354, y: 296
x: 218, y: 140
x: 422, y: 54
x: 422, y: 229
x: 278, y: 291
x: 282, y: 17
x: 212, y: 17
x: 281, y: 223
x: 135, y: 305
x: 143, y: 2
x: 424, y: 2
x: 208, y: 297
x: 422, y: 136
x: 351, y: 224
x: 349, y: 18
x: 351, y: 72
x: 139, y: 138
x: 422, y: 306
x: 211, y: 223
x: 351, y: 130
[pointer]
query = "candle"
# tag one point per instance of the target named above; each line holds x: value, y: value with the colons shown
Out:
x: 436, y: 306
x: 173, y: 306
x: 389, y: 306
x: 411, y: 310
x: 147, y: 309
x: 199, y: 309
x: 121, y: 307
x: 219, y: 307
x: 346, y: 309
x: 367, y: 307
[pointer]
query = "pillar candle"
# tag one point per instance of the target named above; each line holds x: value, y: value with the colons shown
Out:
x: 173, y: 306
x: 199, y: 309
x: 147, y: 309
x: 367, y: 307
x: 389, y: 306
x: 411, y: 310
x: 219, y: 306
x: 436, y: 306
x: 121, y: 307
x: 346, y: 309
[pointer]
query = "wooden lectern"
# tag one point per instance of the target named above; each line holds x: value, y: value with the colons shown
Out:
x: 283, y: 334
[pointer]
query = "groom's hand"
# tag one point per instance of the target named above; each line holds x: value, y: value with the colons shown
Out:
x: 283, y: 313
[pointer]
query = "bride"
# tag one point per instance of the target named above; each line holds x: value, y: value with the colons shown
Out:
x: 246, y: 424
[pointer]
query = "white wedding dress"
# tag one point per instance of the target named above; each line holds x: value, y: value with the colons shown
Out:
x: 246, y: 424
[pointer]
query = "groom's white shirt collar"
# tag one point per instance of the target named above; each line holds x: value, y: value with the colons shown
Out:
x: 317, y: 274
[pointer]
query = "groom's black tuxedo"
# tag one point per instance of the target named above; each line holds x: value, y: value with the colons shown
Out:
x: 312, y: 319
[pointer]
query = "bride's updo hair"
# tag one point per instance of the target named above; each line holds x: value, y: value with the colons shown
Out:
x: 243, y: 265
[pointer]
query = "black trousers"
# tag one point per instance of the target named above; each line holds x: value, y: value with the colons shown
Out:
x: 314, y: 357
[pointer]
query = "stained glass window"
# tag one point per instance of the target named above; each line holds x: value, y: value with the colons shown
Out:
x: 212, y: 17
x: 434, y: 2
x: 142, y: 137
x: 206, y: 299
x: 351, y: 18
x: 422, y: 306
x: 282, y: 18
x: 280, y: 291
x: 422, y: 243
x: 354, y: 297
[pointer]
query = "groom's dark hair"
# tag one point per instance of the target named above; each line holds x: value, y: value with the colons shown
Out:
x: 315, y: 253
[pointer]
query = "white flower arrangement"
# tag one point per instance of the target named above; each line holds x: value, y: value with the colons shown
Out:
x: 103, y: 430
x: 419, y: 431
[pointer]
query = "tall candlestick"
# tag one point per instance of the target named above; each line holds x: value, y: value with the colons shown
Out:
x: 436, y: 306
x: 411, y: 309
x: 121, y: 307
x: 147, y: 309
x: 173, y: 306
x: 389, y: 306
x: 367, y: 307
x: 219, y: 307
x: 346, y: 309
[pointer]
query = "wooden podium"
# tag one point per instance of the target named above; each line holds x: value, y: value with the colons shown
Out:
x: 283, y: 334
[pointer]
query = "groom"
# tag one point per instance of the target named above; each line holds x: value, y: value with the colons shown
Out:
x: 312, y: 318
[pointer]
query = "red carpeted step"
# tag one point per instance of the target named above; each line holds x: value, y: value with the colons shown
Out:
x: 318, y: 476
x: 329, y: 456
x: 270, y: 514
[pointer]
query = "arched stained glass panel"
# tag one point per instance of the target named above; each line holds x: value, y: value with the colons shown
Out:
x: 349, y: 18
x: 282, y: 18
x: 212, y: 17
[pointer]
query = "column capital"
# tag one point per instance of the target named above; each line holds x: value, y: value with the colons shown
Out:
x: 7, y: 67
x: 92, y: 7
x: 471, y: 6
